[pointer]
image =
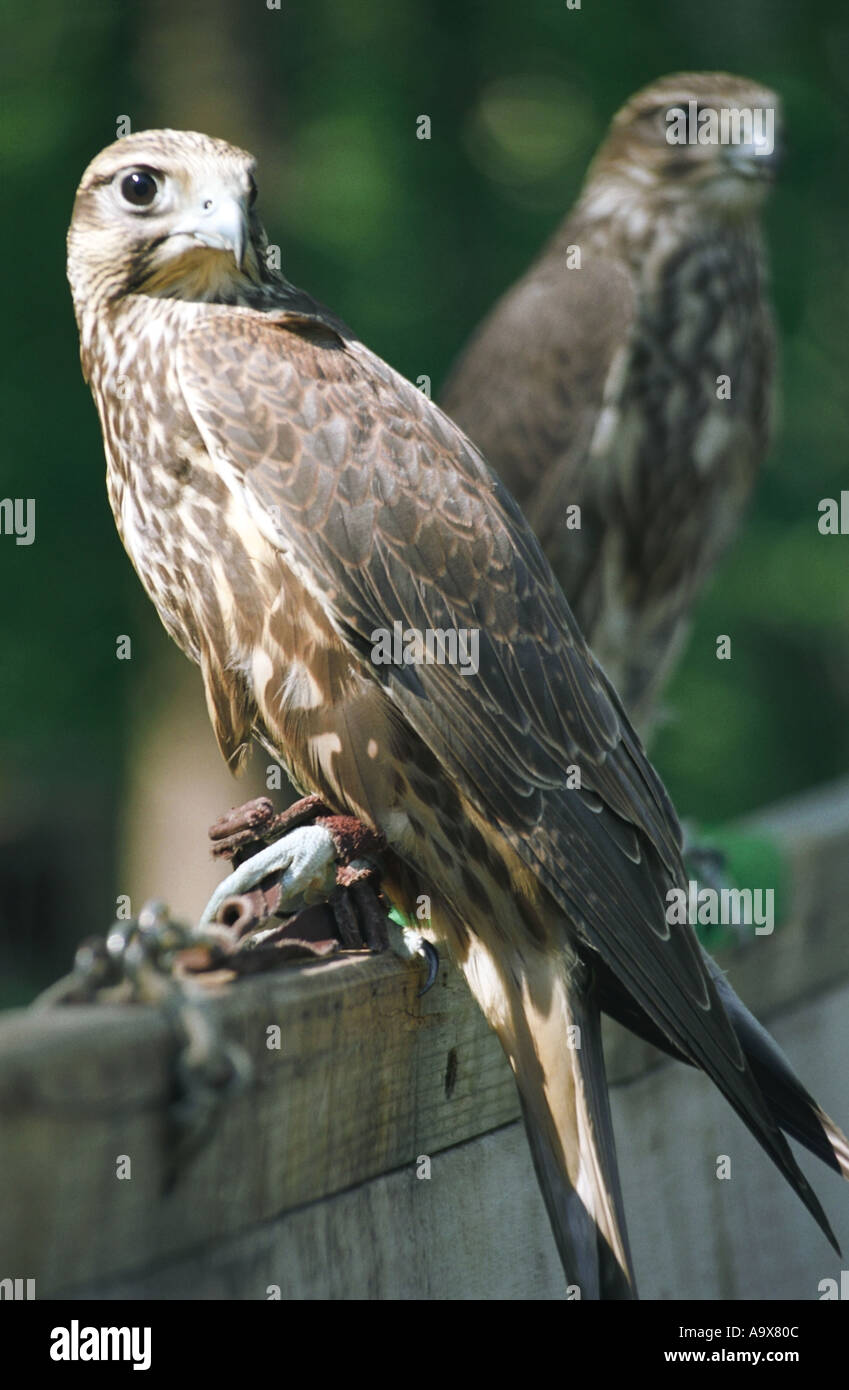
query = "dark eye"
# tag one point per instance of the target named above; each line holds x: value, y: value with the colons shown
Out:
x: 252, y: 191
x: 139, y: 188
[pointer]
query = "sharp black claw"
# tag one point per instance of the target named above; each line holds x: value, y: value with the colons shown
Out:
x: 431, y: 955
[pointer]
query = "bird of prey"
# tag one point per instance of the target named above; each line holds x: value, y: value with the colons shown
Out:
x: 286, y: 498
x: 629, y: 372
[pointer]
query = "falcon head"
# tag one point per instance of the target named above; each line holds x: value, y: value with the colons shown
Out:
x: 167, y: 213
x: 723, y: 166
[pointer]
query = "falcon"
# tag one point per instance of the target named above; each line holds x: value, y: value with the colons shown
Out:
x: 287, y: 499
x: 623, y: 388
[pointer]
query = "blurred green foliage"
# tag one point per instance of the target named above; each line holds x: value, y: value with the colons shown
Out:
x: 411, y: 241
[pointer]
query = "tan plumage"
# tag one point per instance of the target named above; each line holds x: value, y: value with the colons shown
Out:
x: 597, y: 384
x: 284, y: 495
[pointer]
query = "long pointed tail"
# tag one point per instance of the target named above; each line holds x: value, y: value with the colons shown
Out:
x: 551, y: 1033
x: 793, y: 1108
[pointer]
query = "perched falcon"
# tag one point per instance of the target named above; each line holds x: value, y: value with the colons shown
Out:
x: 286, y: 497
x: 630, y: 372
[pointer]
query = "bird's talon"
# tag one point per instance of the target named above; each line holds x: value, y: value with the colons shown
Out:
x: 408, y: 943
x: 431, y: 955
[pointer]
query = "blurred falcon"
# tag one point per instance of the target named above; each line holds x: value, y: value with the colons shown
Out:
x: 598, y: 379
x: 284, y: 496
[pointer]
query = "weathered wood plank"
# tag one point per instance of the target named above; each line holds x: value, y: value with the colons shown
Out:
x: 477, y: 1228
x: 356, y: 1088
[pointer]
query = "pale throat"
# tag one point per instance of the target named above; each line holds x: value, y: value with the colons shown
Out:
x: 200, y: 276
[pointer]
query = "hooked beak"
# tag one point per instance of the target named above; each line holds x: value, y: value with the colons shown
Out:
x: 218, y: 223
x: 753, y: 163
x: 760, y: 157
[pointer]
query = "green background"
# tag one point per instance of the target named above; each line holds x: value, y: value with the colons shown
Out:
x: 411, y: 241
